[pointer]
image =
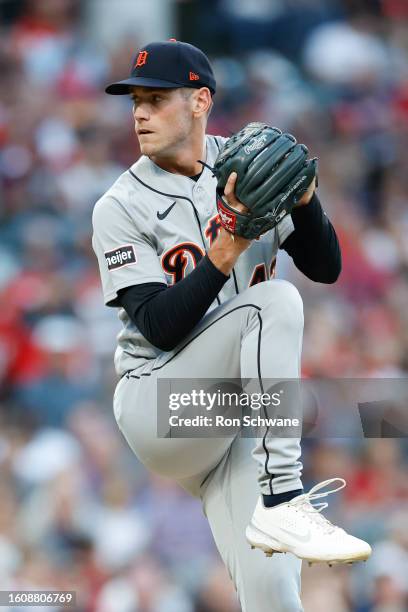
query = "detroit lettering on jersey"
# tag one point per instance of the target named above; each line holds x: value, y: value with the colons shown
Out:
x: 121, y: 256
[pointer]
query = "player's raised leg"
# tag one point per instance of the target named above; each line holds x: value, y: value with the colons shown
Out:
x: 227, y: 341
x: 284, y: 519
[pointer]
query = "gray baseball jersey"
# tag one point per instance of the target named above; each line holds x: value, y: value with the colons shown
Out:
x: 155, y: 226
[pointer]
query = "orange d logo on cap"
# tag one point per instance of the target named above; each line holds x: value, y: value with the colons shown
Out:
x: 141, y: 59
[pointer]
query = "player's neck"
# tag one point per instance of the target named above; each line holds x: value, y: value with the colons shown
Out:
x: 186, y: 161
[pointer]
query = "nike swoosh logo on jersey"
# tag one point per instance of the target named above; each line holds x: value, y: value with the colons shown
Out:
x: 164, y: 214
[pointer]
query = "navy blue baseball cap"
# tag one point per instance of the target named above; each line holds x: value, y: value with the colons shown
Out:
x: 167, y: 64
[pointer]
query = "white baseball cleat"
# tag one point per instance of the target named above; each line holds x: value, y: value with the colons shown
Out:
x: 298, y: 527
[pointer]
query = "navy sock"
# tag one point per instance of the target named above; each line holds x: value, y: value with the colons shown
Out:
x: 280, y: 498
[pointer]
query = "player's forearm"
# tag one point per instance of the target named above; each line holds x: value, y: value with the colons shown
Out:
x: 226, y: 250
x: 166, y: 315
x: 313, y: 245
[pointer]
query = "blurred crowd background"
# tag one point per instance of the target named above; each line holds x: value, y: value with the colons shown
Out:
x: 77, y: 510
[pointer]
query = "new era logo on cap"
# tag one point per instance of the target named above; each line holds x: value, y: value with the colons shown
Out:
x: 194, y: 76
x: 121, y: 256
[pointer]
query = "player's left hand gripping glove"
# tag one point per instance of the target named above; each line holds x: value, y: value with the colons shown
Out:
x: 274, y: 172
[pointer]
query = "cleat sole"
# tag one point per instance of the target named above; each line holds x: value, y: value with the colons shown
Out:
x: 269, y: 546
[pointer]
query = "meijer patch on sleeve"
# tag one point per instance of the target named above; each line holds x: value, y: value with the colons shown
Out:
x: 121, y: 256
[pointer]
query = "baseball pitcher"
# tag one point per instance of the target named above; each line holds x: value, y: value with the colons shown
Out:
x: 186, y: 241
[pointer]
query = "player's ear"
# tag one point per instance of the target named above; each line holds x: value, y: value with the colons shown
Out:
x: 202, y: 101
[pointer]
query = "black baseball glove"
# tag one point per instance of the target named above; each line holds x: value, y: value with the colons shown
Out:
x: 274, y: 172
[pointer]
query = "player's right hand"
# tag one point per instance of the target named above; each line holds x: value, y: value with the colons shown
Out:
x: 228, y: 247
x: 229, y: 193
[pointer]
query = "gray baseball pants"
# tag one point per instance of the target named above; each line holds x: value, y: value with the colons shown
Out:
x: 258, y: 332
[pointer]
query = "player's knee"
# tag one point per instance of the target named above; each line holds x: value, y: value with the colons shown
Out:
x: 287, y: 292
x: 283, y: 300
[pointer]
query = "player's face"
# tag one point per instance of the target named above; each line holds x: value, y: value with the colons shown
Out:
x: 163, y: 120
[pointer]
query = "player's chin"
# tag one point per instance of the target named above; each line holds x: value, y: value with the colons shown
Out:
x: 147, y: 148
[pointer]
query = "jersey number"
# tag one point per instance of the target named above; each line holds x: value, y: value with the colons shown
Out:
x: 259, y: 275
